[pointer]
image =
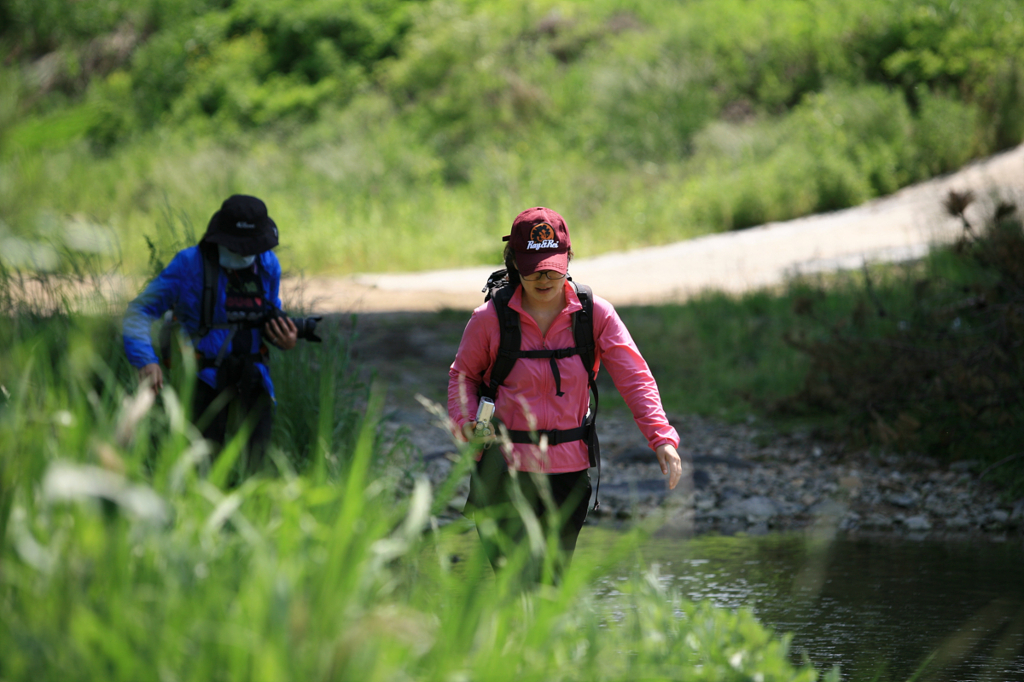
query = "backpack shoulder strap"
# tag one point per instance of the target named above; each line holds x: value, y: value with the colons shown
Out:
x: 511, y: 337
x: 583, y: 337
x: 583, y: 329
x: 583, y: 334
x: 211, y: 275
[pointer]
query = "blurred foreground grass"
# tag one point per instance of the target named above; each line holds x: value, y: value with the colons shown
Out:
x: 124, y: 554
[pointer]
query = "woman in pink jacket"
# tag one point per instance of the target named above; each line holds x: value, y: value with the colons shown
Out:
x: 545, y: 394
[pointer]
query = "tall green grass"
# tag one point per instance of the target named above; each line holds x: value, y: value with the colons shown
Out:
x: 718, y: 354
x: 727, y: 355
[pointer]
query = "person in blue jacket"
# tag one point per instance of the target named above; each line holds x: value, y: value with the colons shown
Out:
x: 231, y: 355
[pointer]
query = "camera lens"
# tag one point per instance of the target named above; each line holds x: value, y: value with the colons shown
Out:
x: 306, y: 327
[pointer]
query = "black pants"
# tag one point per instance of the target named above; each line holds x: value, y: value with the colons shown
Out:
x: 500, y: 524
x: 213, y: 411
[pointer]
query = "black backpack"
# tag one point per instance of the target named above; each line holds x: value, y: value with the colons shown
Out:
x: 499, y: 289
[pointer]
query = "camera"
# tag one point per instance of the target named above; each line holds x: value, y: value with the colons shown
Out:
x: 306, y: 326
x: 484, y: 412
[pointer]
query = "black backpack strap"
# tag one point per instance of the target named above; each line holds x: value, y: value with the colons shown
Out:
x: 207, y: 300
x: 508, y: 348
x: 554, y: 436
x: 551, y: 355
x: 211, y: 276
x: 583, y: 335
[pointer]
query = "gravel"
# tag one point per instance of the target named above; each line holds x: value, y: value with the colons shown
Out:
x: 745, y: 478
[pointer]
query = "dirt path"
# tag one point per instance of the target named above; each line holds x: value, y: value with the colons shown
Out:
x: 897, y: 227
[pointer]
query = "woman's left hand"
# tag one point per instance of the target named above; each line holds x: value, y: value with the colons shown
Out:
x: 282, y: 332
x: 670, y: 463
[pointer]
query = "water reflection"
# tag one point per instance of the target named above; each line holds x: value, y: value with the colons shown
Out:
x: 875, y: 606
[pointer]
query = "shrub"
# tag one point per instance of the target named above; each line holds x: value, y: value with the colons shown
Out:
x: 946, y: 134
x: 934, y: 368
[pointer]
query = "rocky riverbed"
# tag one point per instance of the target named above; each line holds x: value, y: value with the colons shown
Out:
x: 747, y: 478
x: 738, y: 477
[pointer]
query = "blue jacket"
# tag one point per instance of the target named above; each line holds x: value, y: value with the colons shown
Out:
x: 180, y: 288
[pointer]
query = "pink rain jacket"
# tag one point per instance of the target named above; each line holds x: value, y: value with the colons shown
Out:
x: 527, y: 400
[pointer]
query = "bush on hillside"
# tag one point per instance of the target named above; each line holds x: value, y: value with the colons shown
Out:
x: 258, y: 63
x: 942, y: 373
x: 675, y: 119
x: 630, y: 82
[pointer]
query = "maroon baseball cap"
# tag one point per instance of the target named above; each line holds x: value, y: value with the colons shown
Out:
x: 540, y: 241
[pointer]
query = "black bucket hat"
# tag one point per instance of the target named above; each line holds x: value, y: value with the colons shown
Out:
x: 243, y: 226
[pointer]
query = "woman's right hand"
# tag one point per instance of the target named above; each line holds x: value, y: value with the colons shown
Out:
x: 153, y: 375
x: 670, y: 463
x: 469, y: 431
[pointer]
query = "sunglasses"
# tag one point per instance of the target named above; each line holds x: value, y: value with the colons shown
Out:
x: 550, y: 274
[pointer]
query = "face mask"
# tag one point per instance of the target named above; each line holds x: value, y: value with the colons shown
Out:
x: 231, y: 260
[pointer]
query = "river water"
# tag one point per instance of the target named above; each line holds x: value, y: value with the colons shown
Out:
x: 876, y: 606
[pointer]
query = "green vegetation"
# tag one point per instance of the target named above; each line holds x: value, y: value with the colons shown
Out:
x: 919, y: 357
x: 124, y: 555
x: 398, y: 135
x: 402, y: 134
